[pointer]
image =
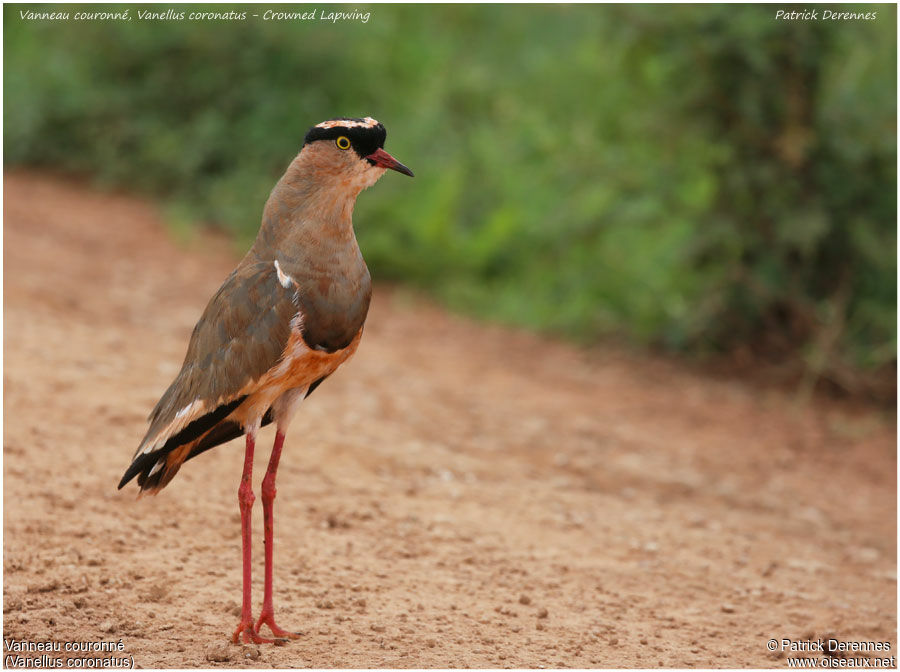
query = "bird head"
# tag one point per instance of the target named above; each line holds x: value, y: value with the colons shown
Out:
x: 349, y: 153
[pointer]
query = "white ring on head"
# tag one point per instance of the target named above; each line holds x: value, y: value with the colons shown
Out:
x: 368, y: 122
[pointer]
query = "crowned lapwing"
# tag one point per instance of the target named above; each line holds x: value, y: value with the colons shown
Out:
x: 289, y: 315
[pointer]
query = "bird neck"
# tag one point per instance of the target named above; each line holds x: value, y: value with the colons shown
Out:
x: 305, y: 214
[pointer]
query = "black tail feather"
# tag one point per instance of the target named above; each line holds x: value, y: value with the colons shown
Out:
x: 222, y: 433
x: 209, y: 429
x: 144, y: 462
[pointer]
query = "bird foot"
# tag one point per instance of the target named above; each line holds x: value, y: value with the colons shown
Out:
x: 268, y: 618
x: 249, y: 633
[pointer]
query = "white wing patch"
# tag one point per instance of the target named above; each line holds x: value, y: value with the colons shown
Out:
x: 180, y: 421
x: 368, y: 122
x: 187, y: 409
x: 285, y: 280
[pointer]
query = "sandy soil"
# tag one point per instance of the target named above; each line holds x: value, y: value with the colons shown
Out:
x: 455, y: 496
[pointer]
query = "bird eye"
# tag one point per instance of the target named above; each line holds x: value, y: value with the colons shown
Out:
x: 343, y: 142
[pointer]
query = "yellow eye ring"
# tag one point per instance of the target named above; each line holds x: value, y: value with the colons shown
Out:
x: 343, y: 142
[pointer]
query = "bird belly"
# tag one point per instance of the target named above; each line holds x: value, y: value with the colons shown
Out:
x: 299, y: 367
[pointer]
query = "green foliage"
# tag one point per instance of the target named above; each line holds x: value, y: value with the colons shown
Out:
x: 696, y: 177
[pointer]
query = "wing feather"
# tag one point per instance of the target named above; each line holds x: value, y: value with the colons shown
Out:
x: 242, y: 334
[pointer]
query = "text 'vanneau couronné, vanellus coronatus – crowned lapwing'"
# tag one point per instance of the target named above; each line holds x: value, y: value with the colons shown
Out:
x: 289, y: 315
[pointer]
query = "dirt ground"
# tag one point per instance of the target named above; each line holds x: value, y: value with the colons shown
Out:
x: 457, y: 495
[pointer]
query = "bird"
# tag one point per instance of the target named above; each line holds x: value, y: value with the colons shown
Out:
x: 285, y: 319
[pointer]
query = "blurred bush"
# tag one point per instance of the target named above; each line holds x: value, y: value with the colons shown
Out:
x: 702, y: 178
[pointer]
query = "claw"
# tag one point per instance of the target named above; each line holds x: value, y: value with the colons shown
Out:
x: 250, y: 634
x: 268, y: 618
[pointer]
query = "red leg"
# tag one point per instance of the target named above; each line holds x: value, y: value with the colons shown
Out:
x: 245, y: 501
x: 268, y: 498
